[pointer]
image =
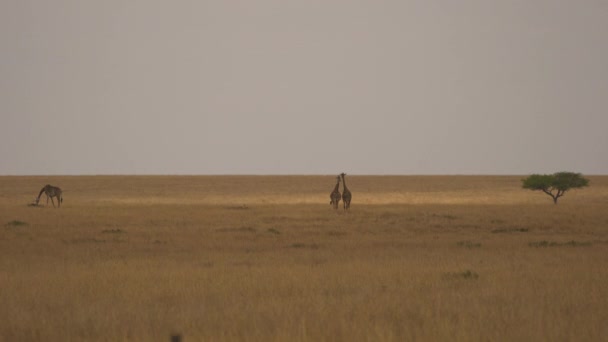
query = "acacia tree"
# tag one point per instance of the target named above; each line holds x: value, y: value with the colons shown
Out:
x: 555, y: 185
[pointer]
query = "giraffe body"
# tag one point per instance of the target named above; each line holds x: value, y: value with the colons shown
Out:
x: 50, y: 192
x: 346, y: 195
x: 335, y: 195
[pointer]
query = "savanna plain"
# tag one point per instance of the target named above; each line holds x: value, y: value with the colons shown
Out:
x: 266, y: 258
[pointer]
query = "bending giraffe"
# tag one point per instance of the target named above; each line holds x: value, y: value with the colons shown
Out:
x: 346, y: 195
x: 51, y: 191
x: 335, y: 195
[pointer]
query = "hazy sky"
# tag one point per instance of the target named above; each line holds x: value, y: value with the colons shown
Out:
x: 303, y: 87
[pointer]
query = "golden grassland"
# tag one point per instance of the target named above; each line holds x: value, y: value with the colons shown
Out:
x: 265, y: 258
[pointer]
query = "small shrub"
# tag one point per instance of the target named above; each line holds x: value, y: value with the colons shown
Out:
x: 510, y: 230
x: 539, y: 244
x: 16, y: 223
x: 469, y: 244
x: 274, y: 231
x: 468, y: 275
x: 84, y: 240
x: 572, y: 243
x: 238, y: 207
x: 576, y: 243
x: 112, y: 231
x: 303, y: 245
x: 240, y: 229
x: 445, y: 216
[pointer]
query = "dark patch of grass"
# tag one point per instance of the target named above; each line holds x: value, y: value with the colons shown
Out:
x: 238, y: 207
x: 510, y: 230
x: 542, y: 244
x: 467, y: 275
x: 469, y: 244
x: 445, y: 216
x: 85, y: 240
x: 385, y: 216
x: 112, y: 231
x: 274, y: 231
x: 303, y: 245
x: 247, y: 264
x: 465, y: 226
x: 239, y: 229
x: 577, y: 243
x: 336, y: 233
x: 572, y: 243
x: 16, y: 223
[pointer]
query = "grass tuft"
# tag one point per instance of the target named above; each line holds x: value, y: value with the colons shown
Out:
x: 445, y: 216
x: 239, y: 229
x: 467, y: 275
x: 510, y: 230
x: 16, y: 223
x: 238, y: 207
x: 84, y: 240
x: 469, y: 244
x: 572, y: 243
x: 112, y: 231
x: 303, y: 245
x: 274, y: 231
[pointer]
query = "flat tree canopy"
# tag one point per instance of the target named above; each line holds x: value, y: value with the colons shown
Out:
x: 555, y: 185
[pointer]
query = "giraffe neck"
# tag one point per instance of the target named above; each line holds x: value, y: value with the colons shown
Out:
x: 344, y: 182
x: 41, y: 192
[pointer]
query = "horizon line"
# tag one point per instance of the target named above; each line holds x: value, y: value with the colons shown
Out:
x: 278, y: 175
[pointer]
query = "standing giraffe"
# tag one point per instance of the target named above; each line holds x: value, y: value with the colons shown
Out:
x: 346, y: 195
x: 51, y: 191
x: 335, y: 195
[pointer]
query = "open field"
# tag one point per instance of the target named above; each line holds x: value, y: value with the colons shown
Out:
x: 265, y: 258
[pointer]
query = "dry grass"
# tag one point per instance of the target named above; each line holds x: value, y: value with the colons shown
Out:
x: 267, y: 259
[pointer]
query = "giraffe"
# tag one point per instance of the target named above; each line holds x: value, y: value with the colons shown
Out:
x: 346, y: 195
x: 335, y: 195
x: 51, y: 191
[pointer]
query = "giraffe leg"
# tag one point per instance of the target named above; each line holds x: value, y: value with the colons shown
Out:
x: 52, y: 201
